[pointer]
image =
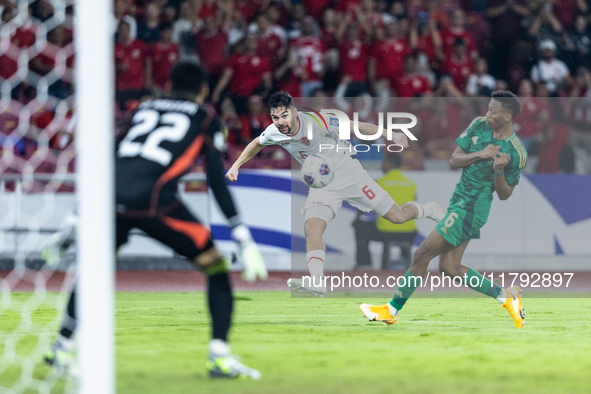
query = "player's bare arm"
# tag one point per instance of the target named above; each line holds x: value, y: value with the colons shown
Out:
x: 503, y: 189
x: 461, y: 159
x: 251, y: 150
x: 372, y: 129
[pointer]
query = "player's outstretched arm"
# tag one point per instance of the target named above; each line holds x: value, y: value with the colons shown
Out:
x: 251, y: 150
x: 372, y: 129
x: 461, y: 159
x: 254, y: 265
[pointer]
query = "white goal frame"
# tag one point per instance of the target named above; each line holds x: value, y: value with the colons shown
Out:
x: 95, y: 191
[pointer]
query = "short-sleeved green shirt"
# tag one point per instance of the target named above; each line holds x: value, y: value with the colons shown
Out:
x: 470, y: 204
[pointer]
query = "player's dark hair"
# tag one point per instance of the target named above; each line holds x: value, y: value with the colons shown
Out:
x: 508, y: 100
x: 281, y: 100
x: 394, y: 159
x: 187, y: 76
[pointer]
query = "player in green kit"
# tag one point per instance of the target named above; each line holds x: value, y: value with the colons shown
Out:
x: 492, y: 158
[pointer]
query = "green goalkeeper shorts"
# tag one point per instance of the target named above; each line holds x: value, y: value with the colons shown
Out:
x: 461, y: 225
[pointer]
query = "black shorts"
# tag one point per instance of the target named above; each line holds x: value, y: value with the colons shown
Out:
x: 175, y: 227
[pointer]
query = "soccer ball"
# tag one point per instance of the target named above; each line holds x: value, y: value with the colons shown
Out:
x: 317, y: 171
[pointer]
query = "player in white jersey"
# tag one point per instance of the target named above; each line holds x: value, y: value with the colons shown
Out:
x: 351, y: 182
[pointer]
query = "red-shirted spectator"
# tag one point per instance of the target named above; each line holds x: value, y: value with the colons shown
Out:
x: 440, y: 121
x: 8, y: 59
x: 25, y: 34
x: 231, y: 120
x: 480, y: 82
x: 58, y: 58
x: 425, y: 37
x: 270, y: 45
x: 534, y: 112
x: 208, y: 9
x: 347, y: 5
x: 162, y: 55
x: 579, y: 111
x: 295, y: 18
x: 288, y: 76
x: 567, y: 10
x: 354, y: 55
x: 411, y: 84
x: 9, y: 117
x: 9, y: 134
x: 505, y: 18
x: 247, y: 9
x: 41, y: 118
x: 184, y: 25
x: 8, y: 63
x: 315, y: 8
x: 330, y: 26
x: 63, y: 128
x: 149, y: 30
x: 210, y: 43
x: 121, y: 13
x: 244, y: 75
x: 458, y: 65
x: 386, y: 60
x: 130, y: 56
x: 455, y: 31
x: 436, y: 15
x: 309, y: 52
x: 255, y: 122
x: 368, y: 18
x: 23, y: 37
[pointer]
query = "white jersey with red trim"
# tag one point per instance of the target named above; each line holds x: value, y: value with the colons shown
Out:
x: 325, y: 139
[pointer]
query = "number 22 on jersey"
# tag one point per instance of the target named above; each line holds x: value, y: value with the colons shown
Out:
x: 172, y: 126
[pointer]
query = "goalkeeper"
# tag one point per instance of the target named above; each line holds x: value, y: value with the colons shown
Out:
x: 164, y: 139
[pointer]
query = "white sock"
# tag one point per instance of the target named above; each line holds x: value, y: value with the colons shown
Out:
x: 420, y: 210
x: 66, y: 343
x: 502, y: 298
x: 315, y: 260
x: 219, y: 348
x: 393, y: 311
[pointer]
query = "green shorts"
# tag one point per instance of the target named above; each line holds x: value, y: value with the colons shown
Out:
x: 461, y: 225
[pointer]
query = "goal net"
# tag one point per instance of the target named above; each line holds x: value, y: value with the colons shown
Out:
x: 39, y: 186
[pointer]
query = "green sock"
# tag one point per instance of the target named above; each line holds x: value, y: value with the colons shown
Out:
x: 483, y: 285
x: 403, y: 293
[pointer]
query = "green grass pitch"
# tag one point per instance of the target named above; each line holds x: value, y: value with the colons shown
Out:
x: 439, y: 345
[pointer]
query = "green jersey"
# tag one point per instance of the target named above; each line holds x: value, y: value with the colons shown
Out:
x: 477, y: 183
x: 470, y: 204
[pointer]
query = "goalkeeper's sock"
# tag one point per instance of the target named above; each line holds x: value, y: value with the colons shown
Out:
x: 220, y: 300
x: 403, y: 293
x: 476, y: 281
x: 420, y: 209
x: 69, y: 321
x: 315, y: 260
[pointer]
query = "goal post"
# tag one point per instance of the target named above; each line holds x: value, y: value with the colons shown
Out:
x: 94, y: 146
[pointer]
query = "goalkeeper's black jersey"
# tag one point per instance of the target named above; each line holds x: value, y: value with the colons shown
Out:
x: 165, y: 138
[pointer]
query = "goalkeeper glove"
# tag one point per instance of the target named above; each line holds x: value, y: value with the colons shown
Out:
x: 58, y: 243
x: 250, y: 254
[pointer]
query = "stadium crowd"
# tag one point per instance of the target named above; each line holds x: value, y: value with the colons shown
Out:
x: 355, y: 54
